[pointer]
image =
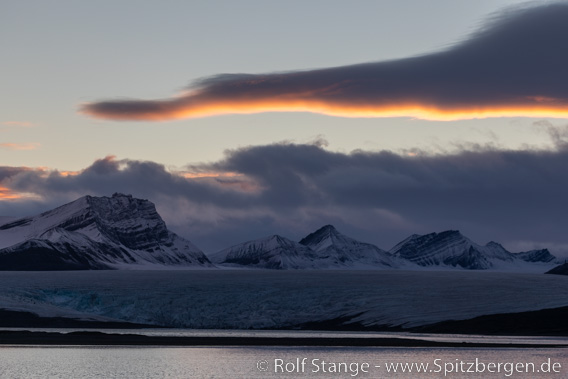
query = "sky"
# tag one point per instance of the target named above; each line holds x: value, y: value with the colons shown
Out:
x: 245, y: 119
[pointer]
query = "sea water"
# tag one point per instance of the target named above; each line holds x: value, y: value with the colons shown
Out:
x: 279, y: 362
x: 285, y: 361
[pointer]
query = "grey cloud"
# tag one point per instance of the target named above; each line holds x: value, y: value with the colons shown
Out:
x: 515, y: 65
x: 380, y: 197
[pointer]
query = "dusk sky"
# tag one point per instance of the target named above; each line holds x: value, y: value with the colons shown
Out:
x: 249, y: 118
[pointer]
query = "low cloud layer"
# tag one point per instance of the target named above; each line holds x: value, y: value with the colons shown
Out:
x: 514, y: 66
x: 515, y: 197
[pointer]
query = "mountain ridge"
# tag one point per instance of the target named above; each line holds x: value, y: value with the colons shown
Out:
x: 125, y: 232
x: 275, y: 252
x: 95, y: 233
x: 452, y: 249
x: 342, y: 251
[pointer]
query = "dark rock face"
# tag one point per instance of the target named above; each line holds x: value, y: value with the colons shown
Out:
x: 559, y: 270
x: 134, y: 223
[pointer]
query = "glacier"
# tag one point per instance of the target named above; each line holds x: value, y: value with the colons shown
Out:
x: 273, y: 299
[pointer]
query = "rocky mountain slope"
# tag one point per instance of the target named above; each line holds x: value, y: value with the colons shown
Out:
x: 451, y: 249
x: 95, y: 233
x: 338, y: 250
x: 559, y: 270
x: 275, y: 252
x: 125, y: 232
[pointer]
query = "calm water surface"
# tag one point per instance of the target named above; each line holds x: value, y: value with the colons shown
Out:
x: 261, y: 362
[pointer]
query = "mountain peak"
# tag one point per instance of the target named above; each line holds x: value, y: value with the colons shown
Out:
x: 493, y: 243
x: 451, y: 233
x: 274, y: 252
x: 321, y: 236
x: 451, y: 248
x: 328, y: 227
x: 339, y: 250
x: 95, y: 232
x: 118, y: 194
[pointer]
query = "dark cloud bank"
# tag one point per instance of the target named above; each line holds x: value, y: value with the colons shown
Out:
x: 514, y: 66
x: 515, y: 197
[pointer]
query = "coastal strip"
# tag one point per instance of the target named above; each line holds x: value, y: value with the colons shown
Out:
x: 92, y: 338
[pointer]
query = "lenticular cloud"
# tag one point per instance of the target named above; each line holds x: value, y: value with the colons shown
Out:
x: 517, y: 65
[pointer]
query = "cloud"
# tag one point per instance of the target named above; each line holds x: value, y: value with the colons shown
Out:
x: 514, y: 197
x: 7, y: 172
x: 20, y: 146
x: 6, y: 193
x: 18, y: 123
x: 514, y: 66
x: 142, y: 178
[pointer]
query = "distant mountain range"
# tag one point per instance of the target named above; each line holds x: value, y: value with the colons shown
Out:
x: 452, y: 249
x: 326, y: 248
x: 122, y: 232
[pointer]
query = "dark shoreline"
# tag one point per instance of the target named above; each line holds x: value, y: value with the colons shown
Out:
x: 21, y: 319
x: 108, y: 339
x: 550, y: 322
x: 545, y: 322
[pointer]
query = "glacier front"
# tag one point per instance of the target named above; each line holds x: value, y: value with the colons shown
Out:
x: 257, y: 299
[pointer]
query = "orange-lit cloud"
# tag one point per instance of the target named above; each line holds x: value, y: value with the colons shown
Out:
x: 515, y: 66
x: 112, y: 174
x: 7, y: 194
x: 20, y: 146
x: 230, y: 180
x: 68, y: 173
x: 195, y: 175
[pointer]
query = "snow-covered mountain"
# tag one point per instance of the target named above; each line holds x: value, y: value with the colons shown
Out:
x: 338, y: 250
x: 125, y: 232
x: 95, y: 233
x: 325, y: 248
x: 453, y: 250
x: 274, y: 252
x: 540, y: 255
